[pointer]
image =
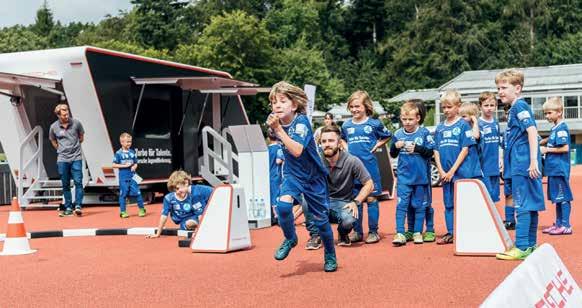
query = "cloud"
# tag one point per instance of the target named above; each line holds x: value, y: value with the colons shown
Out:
x: 24, y: 11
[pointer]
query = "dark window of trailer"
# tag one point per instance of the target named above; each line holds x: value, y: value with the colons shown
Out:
x: 153, y: 113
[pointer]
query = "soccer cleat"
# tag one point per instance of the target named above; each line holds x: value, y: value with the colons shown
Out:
x: 417, y: 238
x: 561, y: 231
x: 429, y: 237
x: 330, y: 262
x: 509, y: 225
x: 408, y: 235
x: 313, y: 243
x: 344, y: 240
x: 66, y: 212
x: 373, y: 237
x: 514, y: 254
x: 549, y: 229
x: 78, y: 211
x: 283, y: 250
x: 355, y: 237
x: 141, y: 212
x: 123, y: 215
x: 399, y: 240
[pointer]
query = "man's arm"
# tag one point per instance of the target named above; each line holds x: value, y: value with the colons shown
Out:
x: 81, y: 137
x: 365, y: 191
x: 55, y: 144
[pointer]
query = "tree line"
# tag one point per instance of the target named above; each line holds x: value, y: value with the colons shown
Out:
x: 382, y: 46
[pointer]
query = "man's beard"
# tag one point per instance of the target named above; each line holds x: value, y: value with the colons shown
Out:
x: 334, y: 151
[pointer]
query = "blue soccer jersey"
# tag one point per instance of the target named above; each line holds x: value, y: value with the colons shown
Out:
x: 450, y: 139
x: 489, y: 143
x: 558, y: 164
x: 308, y: 165
x: 361, y: 139
x: 123, y: 157
x: 192, y: 206
x: 275, y: 177
x: 520, y: 119
x: 412, y: 167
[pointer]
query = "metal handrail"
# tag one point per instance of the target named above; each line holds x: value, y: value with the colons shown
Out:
x: 36, y: 155
x: 218, y: 157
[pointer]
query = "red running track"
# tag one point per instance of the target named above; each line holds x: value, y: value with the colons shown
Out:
x: 131, y: 271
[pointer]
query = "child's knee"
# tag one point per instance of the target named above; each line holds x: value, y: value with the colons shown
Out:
x: 191, y: 224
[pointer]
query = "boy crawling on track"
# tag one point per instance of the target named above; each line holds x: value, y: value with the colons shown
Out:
x: 185, y: 202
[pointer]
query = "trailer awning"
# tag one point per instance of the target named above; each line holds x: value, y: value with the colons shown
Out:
x: 9, y: 81
x: 213, y: 85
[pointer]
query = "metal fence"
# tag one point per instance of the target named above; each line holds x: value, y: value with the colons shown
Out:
x: 8, y: 188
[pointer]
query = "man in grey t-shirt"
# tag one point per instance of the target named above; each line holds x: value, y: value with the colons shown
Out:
x: 66, y: 135
x: 345, y: 170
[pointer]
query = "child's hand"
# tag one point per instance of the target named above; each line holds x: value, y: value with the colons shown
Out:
x: 534, y: 171
x: 133, y: 167
x: 410, y: 148
x: 399, y: 144
x: 448, y: 177
x: 273, y: 121
x: 128, y: 165
x: 474, y: 120
x: 544, y: 150
x: 152, y: 235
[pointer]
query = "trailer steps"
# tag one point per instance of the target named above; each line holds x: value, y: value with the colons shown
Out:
x: 41, y: 192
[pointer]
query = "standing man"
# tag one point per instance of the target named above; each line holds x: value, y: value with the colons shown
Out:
x: 66, y: 135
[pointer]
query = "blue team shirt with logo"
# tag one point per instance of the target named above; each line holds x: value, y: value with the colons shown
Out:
x: 361, y: 138
x: 123, y: 157
x: 558, y: 164
x: 308, y: 165
x: 275, y: 177
x: 450, y: 139
x: 192, y: 205
x: 412, y: 167
x: 520, y: 119
x: 489, y: 143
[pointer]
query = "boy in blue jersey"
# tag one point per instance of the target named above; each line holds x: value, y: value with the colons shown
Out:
x: 303, y: 171
x: 125, y: 160
x: 453, y: 138
x: 507, y: 191
x: 523, y: 164
x: 276, y: 159
x: 364, y: 135
x: 558, y: 167
x: 489, y: 144
x: 184, y: 204
x: 415, y: 146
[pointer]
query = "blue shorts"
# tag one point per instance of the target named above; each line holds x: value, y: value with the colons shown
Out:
x: 183, y: 221
x: 492, y: 184
x: 507, y: 187
x: 528, y: 195
x: 412, y: 195
x: 559, y: 189
x: 314, y: 192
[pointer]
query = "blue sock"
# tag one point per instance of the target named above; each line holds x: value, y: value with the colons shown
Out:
x: 402, y: 212
x: 558, y: 214
x: 509, y: 214
x: 373, y: 216
x: 358, y: 224
x: 419, y: 219
x: 533, y: 228
x: 566, y: 209
x: 429, y: 216
x: 285, y: 212
x: 522, y: 230
x: 449, y: 219
x: 410, y: 218
x: 326, y: 235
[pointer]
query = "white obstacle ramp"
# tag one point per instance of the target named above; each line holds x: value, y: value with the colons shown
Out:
x: 479, y: 229
x: 223, y: 226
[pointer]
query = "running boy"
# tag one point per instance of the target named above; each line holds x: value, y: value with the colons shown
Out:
x: 558, y: 166
x: 276, y: 159
x: 415, y: 146
x: 489, y: 142
x: 523, y: 164
x: 185, y: 202
x: 125, y: 160
x: 453, y: 138
x: 303, y: 172
x: 364, y: 135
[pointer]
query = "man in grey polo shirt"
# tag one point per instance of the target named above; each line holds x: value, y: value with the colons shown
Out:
x: 66, y: 135
x: 344, y: 171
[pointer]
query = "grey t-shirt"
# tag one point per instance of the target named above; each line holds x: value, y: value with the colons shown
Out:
x: 342, y: 177
x: 68, y: 140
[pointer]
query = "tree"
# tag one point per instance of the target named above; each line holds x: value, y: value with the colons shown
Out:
x: 44, y: 21
x: 18, y: 38
x: 157, y: 22
x: 293, y: 20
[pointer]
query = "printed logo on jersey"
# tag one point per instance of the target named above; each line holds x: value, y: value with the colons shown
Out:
x: 187, y: 207
x: 429, y: 139
x: 456, y: 131
x: 176, y: 206
x: 367, y: 129
x: 447, y: 134
x: 487, y: 130
x: 197, y: 206
x: 418, y: 140
x: 468, y: 134
x: 523, y: 115
x: 301, y: 130
x: 351, y: 130
x: 562, y: 133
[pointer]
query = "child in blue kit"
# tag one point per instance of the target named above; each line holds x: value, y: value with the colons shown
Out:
x: 558, y: 167
x: 125, y: 160
x: 276, y: 159
x: 453, y: 138
x: 414, y: 145
x: 523, y: 164
x: 364, y: 135
x: 489, y: 143
x: 184, y: 204
x: 303, y: 171
x: 507, y: 191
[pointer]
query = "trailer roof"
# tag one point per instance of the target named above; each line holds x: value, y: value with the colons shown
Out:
x: 217, y: 85
x: 8, y: 81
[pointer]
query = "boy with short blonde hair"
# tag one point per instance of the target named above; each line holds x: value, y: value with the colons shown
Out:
x: 557, y: 167
x: 489, y: 142
x: 524, y: 164
x: 125, y: 160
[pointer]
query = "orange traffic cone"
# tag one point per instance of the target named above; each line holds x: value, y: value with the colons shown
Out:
x: 16, y: 242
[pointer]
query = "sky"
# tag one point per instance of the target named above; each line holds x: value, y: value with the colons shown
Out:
x: 23, y: 12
